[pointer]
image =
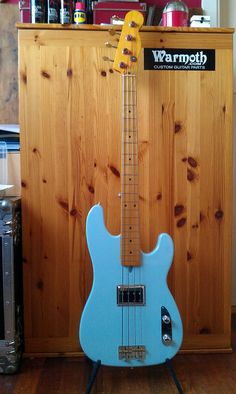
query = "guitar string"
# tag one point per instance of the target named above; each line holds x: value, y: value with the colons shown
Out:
x: 130, y: 117
x: 122, y: 165
x: 134, y: 151
x: 129, y: 123
x: 125, y: 135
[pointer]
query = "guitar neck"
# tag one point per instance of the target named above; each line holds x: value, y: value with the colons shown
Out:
x: 130, y: 235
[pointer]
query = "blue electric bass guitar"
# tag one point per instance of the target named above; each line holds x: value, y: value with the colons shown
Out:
x: 130, y: 318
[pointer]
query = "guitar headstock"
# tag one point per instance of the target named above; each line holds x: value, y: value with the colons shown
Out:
x: 129, y: 45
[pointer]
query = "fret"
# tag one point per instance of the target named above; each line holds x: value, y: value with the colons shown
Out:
x: 130, y: 256
x: 128, y: 142
x: 129, y: 183
x: 130, y: 245
x: 133, y: 232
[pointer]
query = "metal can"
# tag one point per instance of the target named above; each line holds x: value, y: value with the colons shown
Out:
x: 79, y: 14
x: 175, y: 13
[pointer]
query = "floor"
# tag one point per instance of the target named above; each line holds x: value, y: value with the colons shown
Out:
x: 198, y: 374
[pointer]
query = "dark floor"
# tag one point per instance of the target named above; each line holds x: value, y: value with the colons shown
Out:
x: 200, y: 374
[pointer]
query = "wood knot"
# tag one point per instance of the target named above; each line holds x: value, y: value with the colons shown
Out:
x: 111, y: 71
x: 179, y: 209
x: 219, y: 214
x: 91, y: 189
x: 45, y: 74
x: 40, y: 284
x: 36, y: 151
x: 190, y: 175
x: 44, y: 180
x: 69, y: 72
x: 24, y: 78
x: 181, y: 222
x: 189, y: 256
x: 64, y: 204
x: 192, y: 162
x: 73, y: 212
x: 201, y: 217
x: 23, y: 183
x: 114, y: 171
x: 103, y: 73
x: 195, y: 225
x: 224, y: 109
x: 178, y: 127
x: 159, y: 196
x: 204, y: 330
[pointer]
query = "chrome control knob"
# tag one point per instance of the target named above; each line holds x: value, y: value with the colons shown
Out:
x: 166, y: 319
x: 166, y: 339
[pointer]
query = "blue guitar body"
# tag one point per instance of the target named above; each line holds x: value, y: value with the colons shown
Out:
x: 108, y: 329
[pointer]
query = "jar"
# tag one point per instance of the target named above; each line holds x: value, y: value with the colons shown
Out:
x: 175, y: 13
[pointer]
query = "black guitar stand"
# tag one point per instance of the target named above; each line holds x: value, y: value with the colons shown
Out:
x: 92, y: 378
x: 97, y: 365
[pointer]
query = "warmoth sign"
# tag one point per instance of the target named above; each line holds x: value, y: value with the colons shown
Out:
x: 179, y: 59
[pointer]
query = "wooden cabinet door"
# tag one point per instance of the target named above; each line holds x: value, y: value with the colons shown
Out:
x: 70, y: 108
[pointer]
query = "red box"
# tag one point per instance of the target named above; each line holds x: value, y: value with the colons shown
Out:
x: 104, y: 11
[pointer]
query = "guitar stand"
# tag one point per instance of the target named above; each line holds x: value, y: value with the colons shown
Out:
x: 92, y: 378
x: 173, y: 375
x: 97, y: 365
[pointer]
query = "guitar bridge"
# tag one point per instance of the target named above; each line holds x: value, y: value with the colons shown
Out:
x: 129, y: 353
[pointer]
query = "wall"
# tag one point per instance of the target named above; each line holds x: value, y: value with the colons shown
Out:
x: 228, y: 18
x: 9, y: 15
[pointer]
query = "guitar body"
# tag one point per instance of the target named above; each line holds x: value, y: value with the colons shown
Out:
x: 106, y: 326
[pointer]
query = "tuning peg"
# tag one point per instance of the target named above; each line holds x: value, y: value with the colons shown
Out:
x: 126, y: 51
x: 133, y: 24
x: 109, y: 45
x: 113, y: 32
x: 107, y: 59
x: 129, y: 37
x: 123, y: 65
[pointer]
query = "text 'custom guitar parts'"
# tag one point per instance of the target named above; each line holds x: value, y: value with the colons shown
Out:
x: 130, y: 318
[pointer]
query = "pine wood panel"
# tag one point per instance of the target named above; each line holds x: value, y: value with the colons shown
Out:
x: 70, y: 108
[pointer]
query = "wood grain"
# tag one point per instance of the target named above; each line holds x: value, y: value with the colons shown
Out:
x: 70, y: 115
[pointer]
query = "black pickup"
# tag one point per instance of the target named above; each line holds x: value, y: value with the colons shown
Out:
x: 132, y: 295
